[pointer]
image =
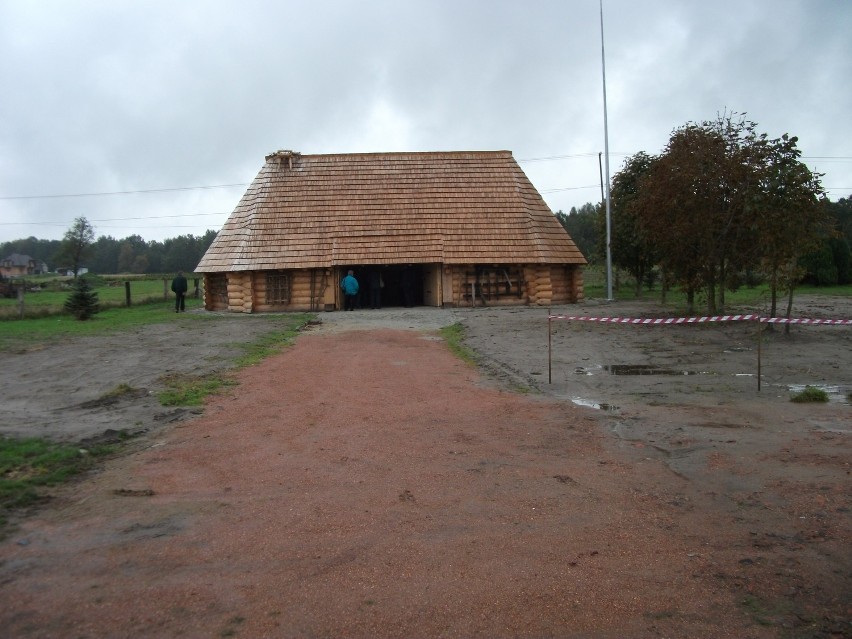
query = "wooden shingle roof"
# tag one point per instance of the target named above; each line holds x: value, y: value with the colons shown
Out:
x: 306, y: 211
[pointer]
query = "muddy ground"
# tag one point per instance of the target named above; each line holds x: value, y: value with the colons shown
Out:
x: 367, y: 483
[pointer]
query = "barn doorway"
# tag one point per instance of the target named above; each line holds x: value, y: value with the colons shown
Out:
x: 403, y: 284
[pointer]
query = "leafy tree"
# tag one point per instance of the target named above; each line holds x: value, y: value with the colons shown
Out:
x: 179, y: 254
x: 722, y: 199
x: 629, y: 244
x: 76, y: 246
x: 129, y: 255
x: 105, y: 255
x: 131, y: 247
x: 842, y: 213
x: 580, y: 224
x: 819, y: 268
x: 786, y: 213
x: 126, y: 257
x: 140, y: 264
x: 678, y: 208
x: 154, y: 253
x: 82, y: 303
x: 40, y: 250
x: 842, y: 259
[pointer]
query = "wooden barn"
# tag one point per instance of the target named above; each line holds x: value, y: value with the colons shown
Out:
x: 438, y: 229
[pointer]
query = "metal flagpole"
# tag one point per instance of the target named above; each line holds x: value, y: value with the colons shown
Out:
x: 606, y: 156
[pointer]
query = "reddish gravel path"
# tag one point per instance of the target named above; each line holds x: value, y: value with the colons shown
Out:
x: 366, y: 484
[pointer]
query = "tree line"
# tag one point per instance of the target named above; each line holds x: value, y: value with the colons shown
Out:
x: 105, y: 255
x: 720, y: 207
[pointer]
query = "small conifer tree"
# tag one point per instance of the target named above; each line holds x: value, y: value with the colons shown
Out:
x: 83, y: 301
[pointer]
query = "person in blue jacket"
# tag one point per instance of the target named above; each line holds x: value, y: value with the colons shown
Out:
x: 350, y: 290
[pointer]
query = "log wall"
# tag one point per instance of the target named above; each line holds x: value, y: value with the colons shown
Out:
x: 316, y: 289
x: 543, y: 285
x: 310, y: 290
x: 240, y: 292
x: 215, y: 295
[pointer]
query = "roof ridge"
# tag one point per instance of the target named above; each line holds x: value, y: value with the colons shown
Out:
x: 391, y: 153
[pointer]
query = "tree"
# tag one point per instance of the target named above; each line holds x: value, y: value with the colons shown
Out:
x: 580, y: 224
x: 629, y: 244
x: 691, y: 206
x: 105, y: 255
x: 842, y: 259
x: 131, y: 247
x: 676, y: 203
x: 39, y: 250
x: 786, y: 213
x: 76, y: 246
x: 83, y: 301
x: 842, y: 213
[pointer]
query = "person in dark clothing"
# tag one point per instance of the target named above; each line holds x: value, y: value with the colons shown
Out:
x: 376, y: 285
x: 408, y: 280
x: 179, y: 288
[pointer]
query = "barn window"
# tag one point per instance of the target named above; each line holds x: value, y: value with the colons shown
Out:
x: 493, y: 283
x: 277, y: 287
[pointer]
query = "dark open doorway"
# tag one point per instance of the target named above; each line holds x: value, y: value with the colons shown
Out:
x: 403, y: 285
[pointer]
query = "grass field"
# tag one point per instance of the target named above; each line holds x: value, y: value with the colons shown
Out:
x: 111, y: 290
x: 595, y: 287
x: 29, y: 467
x: 16, y: 334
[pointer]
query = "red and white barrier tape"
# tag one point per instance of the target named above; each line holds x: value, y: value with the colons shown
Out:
x: 782, y: 320
x: 700, y: 320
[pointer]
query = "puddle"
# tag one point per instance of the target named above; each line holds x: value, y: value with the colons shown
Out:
x: 643, y: 369
x: 583, y: 370
x: 579, y: 401
x: 837, y: 394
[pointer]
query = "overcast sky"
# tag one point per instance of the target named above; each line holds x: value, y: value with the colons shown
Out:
x: 167, y: 109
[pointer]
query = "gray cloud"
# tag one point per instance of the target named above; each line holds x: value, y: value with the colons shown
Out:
x: 125, y: 96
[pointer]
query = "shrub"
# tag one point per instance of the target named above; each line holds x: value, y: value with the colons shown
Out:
x: 810, y: 394
x: 83, y: 301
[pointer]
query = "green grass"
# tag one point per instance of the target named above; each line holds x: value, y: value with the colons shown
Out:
x: 594, y: 287
x: 191, y: 390
x: 118, y: 391
x: 274, y: 341
x: 31, y: 333
x: 111, y: 292
x: 29, y: 465
x: 453, y: 336
x: 810, y: 394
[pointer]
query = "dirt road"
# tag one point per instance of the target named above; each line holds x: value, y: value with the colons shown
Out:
x: 367, y: 483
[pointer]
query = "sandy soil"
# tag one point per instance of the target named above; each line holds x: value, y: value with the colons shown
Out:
x: 366, y: 483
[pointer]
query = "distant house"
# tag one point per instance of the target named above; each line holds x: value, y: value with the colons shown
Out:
x: 439, y: 228
x: 17, y: 265
x: 68, y: 272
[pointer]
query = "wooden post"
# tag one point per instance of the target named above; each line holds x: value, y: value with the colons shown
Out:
x: 21, y: 288
x: 759, y: 340
x: 165, y: 289
x: 127, y: 292
x: 549, y: 357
